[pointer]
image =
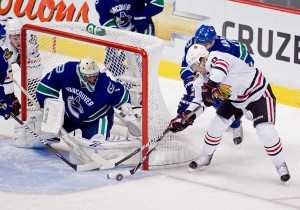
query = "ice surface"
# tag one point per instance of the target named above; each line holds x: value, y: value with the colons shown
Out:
x: 242, y: 178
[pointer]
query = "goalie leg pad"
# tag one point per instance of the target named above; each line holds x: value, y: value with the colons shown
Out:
x: 118, y: 131
x: 23, y: 138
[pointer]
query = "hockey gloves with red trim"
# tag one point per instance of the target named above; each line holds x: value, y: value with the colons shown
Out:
x: 208, y: 90
x: 15, y: 103
x: 179, y: 123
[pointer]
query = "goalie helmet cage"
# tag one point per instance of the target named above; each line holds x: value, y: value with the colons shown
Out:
x: 129, y: 57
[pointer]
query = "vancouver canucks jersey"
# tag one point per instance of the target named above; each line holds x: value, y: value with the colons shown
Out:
x: 80, y: 104
x: 221, y: 44
x: 120, y: 13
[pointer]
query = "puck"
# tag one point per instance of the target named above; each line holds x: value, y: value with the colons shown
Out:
x: 119, y: 177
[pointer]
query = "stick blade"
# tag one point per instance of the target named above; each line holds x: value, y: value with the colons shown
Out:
x: 88, y: 167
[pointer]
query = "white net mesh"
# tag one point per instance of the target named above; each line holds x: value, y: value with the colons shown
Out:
x: 122, y: 63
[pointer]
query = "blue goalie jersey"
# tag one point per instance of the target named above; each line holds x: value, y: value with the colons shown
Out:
x: 80, y: 103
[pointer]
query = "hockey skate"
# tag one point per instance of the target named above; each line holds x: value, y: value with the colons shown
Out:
x: 238, y: 135
x: 198, y: 164
x: 283, y: 172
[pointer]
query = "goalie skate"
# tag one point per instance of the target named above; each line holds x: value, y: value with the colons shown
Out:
x: 198, y: 164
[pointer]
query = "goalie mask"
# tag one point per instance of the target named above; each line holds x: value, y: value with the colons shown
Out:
x: 88, y: 72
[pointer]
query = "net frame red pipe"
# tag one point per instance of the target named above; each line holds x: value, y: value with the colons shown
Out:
x: 141, y: 51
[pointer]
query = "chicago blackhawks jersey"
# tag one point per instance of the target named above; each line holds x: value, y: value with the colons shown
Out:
x: 240, y: 82
x: 8, y: 55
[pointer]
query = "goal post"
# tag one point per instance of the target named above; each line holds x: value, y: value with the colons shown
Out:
x: 129, y: 57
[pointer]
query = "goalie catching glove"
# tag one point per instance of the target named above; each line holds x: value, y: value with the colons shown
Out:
x: 181, y: 122
x: 132, y: 122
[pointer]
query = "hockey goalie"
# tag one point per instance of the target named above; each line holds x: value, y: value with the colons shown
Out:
x: 89, y: 101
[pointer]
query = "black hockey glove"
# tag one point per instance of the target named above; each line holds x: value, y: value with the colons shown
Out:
x: 5, y: 108
x: 140, y: 24
x: 184, y: 103
x: 15, y: 103
x: 207, y: 93
x: 179, y: 123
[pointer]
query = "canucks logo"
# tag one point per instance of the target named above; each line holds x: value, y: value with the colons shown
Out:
x: 75, y: 106
x: 124, y: 21
x: 110, y: 88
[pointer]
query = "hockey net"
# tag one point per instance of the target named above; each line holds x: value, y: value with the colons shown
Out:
x: 131, y: 58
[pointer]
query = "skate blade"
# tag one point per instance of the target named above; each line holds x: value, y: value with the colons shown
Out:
x: 238, y: 146
x: 287, y: 183
x: 191, y: 170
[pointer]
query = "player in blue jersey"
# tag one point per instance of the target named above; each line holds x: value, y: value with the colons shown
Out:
x: 2, y: 34
x: 90, y: 97
x: 130, y: 15
x: 6, y: 104
x: 206, y: 36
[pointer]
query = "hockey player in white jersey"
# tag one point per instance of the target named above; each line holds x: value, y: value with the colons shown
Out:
x: 9, y: 54
x: 10, y: 61
x: 206, y: 35
x: 242, y: 88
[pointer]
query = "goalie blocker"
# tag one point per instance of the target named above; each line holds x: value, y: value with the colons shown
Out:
x: 53, y: 116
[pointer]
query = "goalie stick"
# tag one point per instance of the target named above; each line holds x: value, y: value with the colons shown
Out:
x: 119, y: 175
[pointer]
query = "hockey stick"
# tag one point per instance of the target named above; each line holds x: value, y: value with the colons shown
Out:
x: 81, y: 154
x: 119, y: 175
